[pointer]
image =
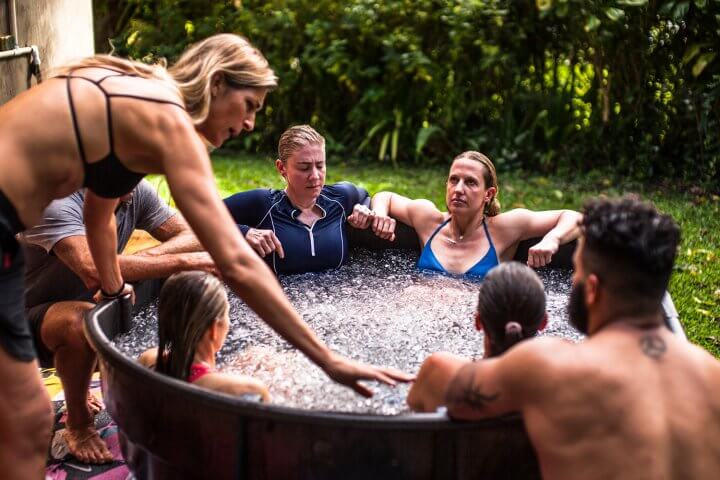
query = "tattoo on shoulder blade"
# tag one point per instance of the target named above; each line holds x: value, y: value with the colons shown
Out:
x: 463, y: 391
x: 653, y: 346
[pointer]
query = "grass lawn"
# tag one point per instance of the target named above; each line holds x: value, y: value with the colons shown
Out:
x: 695, y: 285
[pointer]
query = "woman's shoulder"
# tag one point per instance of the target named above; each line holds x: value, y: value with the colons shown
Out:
x: 245, y: 197
x: 509, y: 217
x: 425, y: 213
x: 233, y: 384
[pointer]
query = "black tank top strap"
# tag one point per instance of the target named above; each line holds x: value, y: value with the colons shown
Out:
x: 107, y: 177
x: 76, y: 127
x: 147, y: 99
x: 98, y: 83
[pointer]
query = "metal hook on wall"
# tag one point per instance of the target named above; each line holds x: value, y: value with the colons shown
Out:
x: 9, y: 47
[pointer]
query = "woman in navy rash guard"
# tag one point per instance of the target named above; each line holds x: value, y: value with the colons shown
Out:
x: 303, y: 227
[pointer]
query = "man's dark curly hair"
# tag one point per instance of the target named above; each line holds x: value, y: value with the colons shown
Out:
x: 631, y: 247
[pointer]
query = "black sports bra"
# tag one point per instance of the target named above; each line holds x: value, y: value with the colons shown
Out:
x: 108, y: 177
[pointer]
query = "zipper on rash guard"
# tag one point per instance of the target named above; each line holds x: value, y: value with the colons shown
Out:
x: 312, y: 242
x: 310, y: 232
x: 312, y: 239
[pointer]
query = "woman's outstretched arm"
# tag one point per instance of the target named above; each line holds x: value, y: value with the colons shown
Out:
x: 418, y: 214
x: 187, y: 168
x: 556, y: 227
x: 101, y: 234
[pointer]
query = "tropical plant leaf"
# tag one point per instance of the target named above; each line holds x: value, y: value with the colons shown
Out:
x: 680, y: 10
x: 394, y: 146
x: 666, y: 8
x: 691, y: 52
x: 423, y: 136
x: 543, y: 5
x: 592, y: 23
x: 614, y: 14
x: 702, y: 62
x: 632, y: 3
x: 383, y: 146
x: 371, y: 133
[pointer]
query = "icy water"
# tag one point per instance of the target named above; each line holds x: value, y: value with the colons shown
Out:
x: 376, y: 309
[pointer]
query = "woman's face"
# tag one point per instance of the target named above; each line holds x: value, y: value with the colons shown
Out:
x: 304, y: 172
x: 465, y: 190
x: 232, y: 110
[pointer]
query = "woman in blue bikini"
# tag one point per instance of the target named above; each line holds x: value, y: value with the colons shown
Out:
x: 473, y: 236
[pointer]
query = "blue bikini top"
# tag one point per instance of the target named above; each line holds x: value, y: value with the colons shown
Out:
x: 428, y: 260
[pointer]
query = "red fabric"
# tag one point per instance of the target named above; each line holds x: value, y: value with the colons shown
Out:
x: 198, y: 370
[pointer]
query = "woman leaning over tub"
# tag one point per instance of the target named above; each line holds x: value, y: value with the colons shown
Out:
x: 192, y: 327
x: 105, y: 123
x: 473, y: 236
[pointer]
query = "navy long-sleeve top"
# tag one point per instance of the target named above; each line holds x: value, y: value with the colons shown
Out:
x: 313, y: 248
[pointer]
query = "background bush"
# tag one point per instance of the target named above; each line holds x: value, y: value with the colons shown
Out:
x: 628, y: 86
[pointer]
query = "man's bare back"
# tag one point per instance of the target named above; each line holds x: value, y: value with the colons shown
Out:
x: 633, y: 400
x: 627, y: 403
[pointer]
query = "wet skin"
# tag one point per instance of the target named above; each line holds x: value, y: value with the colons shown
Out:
x: 632, y: 401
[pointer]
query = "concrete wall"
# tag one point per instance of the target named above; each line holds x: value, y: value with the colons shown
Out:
x: 62, y: 30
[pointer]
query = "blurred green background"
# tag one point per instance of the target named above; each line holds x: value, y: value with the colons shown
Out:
x: 629, y: 87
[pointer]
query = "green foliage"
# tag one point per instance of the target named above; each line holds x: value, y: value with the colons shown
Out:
x: 564, y: 85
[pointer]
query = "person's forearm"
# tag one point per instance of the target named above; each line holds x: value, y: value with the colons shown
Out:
x: 102, y: 242
x: 185, y: 242
x: 141, y: 267
x: 380, y: 203
x: 567, y: 228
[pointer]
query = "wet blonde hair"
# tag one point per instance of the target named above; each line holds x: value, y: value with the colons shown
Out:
x: 189, y: 304
x: 297, y: 137
x: 492, y: 208
x: 232, y: 56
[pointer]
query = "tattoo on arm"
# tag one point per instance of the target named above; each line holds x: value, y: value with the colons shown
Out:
x: 653, y: 345
x: 462, y: 391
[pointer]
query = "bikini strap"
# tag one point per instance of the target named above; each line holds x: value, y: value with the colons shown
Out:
x: 437, y: 230
x: 487, y: 234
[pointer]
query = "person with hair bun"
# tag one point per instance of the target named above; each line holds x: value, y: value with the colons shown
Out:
x: 511, y: 308
x: 193, y: 324
x: 473, y: 236
x: 632, y: 399
x: 103, y: 123
x: 303, y: 227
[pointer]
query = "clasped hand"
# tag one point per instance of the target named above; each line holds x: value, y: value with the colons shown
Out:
x: 541, y: 253
x: 382, y: 225
x: 264, y: 242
